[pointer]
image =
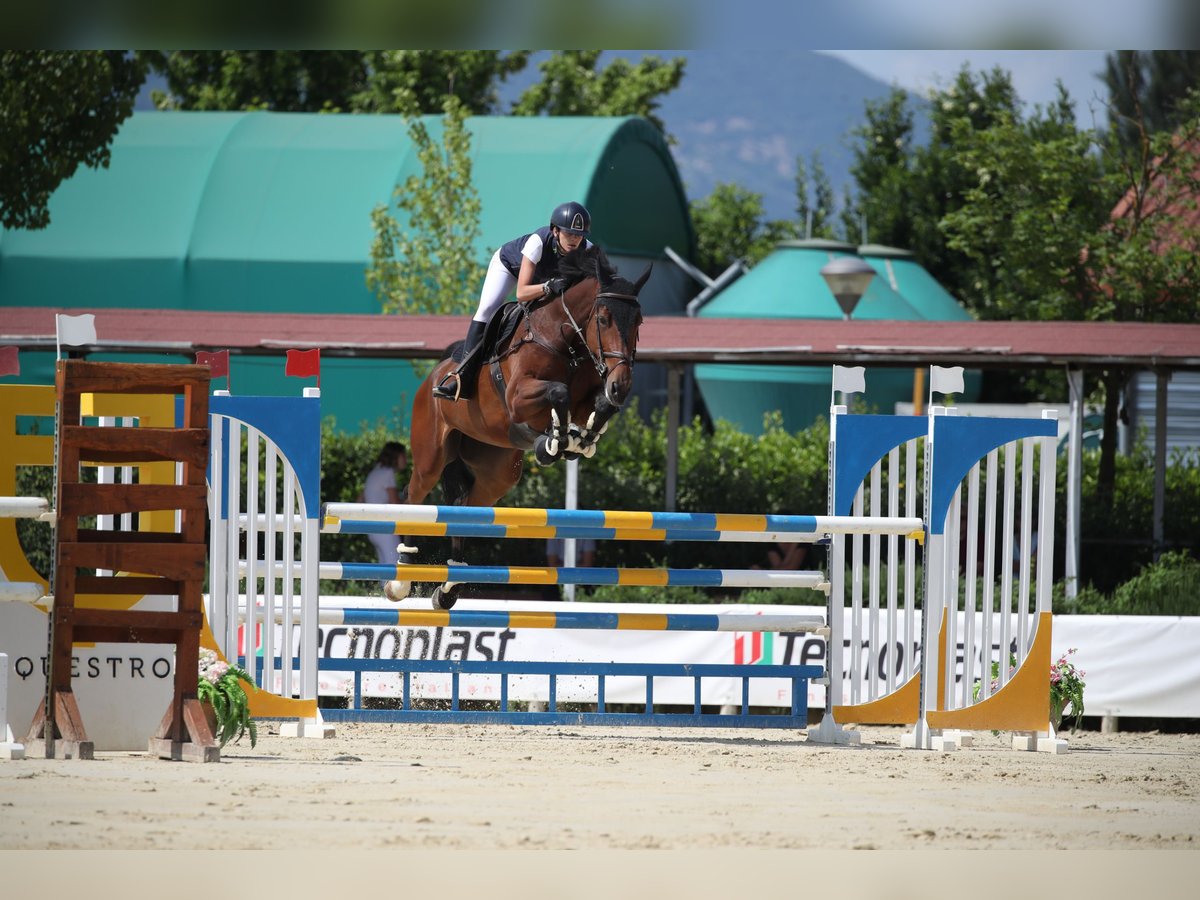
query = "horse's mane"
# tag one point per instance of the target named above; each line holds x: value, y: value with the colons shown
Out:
x: 592, y: 262
x: 586, y: 262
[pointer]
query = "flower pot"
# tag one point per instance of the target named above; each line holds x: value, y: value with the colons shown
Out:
x: 1057, y: 705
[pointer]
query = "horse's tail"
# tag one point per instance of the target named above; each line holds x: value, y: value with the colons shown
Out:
x: 457, y: 482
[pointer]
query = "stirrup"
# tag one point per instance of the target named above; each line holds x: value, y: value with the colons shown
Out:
x: 441, y: 389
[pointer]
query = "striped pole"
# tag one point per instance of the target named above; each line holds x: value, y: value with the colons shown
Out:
x: 569, y: 620
x: 456, y: 574
x: 404, y: 516
x: 334, y: 525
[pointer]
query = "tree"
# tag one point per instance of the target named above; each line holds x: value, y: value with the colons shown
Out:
x: 432, y: 264
x: 730, y: 225
x: 379, y: 81
x: 1069, y: 224
x: 571, y: 85
x: 281, y: 80
x: 430, y: 75
x: 1149, y: 86
x: 59, y: 109
x: 815, y: 216
x: 904, y: 189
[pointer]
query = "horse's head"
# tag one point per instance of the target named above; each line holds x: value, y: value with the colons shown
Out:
x: 608, y: 314
x: 618, y: 318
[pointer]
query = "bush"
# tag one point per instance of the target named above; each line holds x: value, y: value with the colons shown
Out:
x: 1169, y: 587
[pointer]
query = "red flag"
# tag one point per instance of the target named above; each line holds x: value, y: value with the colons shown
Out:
x: 9, y: 363
x: 304, y: 363
x: 218, y: 361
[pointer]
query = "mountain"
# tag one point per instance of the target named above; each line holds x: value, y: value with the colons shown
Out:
x: 744, y: 117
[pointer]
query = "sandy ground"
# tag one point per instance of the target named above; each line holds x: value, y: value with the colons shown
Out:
x: 503, y: 787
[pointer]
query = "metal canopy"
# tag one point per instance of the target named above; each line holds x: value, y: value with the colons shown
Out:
x: 664, y: 339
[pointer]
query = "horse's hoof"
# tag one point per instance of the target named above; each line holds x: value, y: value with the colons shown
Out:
x: 445, y: 598
x: 542, y: 454
x: 397, y: 590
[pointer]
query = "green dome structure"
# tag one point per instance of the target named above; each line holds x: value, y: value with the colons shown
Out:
x: 788, y: 284
x: 271, y: 212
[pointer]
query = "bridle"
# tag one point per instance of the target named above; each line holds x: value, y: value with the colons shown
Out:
x: 600, y: 356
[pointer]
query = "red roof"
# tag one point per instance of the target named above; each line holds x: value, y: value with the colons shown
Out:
x: 663, y: 338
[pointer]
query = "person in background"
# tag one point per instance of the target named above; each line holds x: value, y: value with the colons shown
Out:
x: 380, y: 487
x: 585, y: 552
x: 785, y: 555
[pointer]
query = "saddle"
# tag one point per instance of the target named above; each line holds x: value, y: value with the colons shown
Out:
x: 500, y: 327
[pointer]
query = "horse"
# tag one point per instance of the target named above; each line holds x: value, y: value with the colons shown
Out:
x: 550, y: 383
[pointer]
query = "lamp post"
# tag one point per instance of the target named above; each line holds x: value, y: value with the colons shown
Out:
x: 848, y: 278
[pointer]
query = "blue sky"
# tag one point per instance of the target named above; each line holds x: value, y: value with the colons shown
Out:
x: 1033, y: 71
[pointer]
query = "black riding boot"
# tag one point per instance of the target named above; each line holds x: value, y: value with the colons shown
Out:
x: 457, y: 385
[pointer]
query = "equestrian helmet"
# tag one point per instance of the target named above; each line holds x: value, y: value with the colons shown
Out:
x: 572, y: 217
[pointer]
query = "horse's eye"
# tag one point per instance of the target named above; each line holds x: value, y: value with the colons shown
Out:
x: 605, y: 320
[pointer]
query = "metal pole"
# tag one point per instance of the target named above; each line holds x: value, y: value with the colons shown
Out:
x: 672, y: 434
x: 1160, y: 458
x: 1074, y: 480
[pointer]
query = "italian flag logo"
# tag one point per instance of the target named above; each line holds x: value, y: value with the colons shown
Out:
x: 754, y: 648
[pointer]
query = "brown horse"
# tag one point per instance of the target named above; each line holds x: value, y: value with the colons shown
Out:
x: 550, y: 385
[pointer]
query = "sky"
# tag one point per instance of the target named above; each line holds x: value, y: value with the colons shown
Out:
x: 1033, y: 71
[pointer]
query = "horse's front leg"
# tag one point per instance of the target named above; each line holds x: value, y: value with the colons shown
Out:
x: 583, y: 438
x: 529, y: 401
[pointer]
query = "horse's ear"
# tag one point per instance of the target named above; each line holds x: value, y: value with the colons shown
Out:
x: 637, y: 285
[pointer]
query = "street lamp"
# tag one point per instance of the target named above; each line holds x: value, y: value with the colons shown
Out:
x: 847, y: 277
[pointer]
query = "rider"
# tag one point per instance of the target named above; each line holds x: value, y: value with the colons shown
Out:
x: 522, y: 262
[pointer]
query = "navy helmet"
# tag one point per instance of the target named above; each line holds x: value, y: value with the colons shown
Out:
x: 572, y: 217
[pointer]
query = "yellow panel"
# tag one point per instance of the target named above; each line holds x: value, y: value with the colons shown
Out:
x: 21, y: 450
x: 430, y: 618
x: 641, y: 622
x: 421, y: 529
x: 901, y: 707
x: 629, y: 519
x: 640, y: 534
x: 531, y: 619
x: 405, y: 572
x: 734, y: 522
x: 532, y: 575
x: 520, y: 517
x: 1021, y: 705
x: 643, y: 577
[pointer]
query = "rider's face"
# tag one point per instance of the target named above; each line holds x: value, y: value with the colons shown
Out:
x: 569, y: 241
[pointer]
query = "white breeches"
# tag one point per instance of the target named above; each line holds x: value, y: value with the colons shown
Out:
x: 497, y: 285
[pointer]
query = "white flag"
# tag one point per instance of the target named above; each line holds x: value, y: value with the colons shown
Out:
x: 850, y: 379
x: 946, y: 379
x: 76, y: 330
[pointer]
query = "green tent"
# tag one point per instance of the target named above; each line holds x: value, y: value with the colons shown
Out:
x: 270, y: 212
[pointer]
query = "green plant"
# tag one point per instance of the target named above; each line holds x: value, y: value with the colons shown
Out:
x: 220, y: 686
x: 1066, y: 687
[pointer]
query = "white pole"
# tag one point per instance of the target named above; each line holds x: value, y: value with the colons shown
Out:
x: 572, y: 502
x: 1074, y: 480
